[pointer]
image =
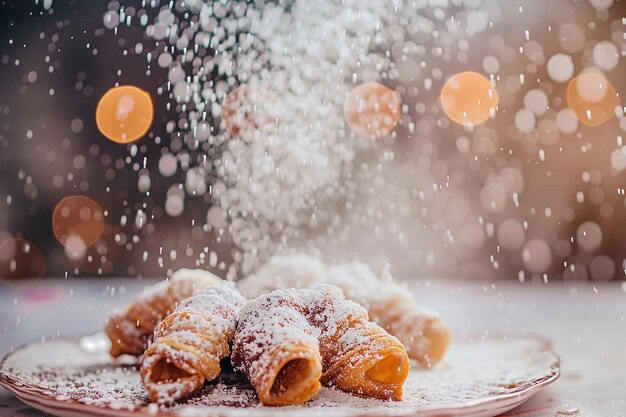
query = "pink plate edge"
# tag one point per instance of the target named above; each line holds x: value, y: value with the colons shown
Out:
x: 480, y: 407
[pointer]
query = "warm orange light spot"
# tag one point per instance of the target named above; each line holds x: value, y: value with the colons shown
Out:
x: 468, y: 98
x: 592, y: 98
x: 19, y: 258
x: 372, y: 110
x: 98, y: 258
x: 249, y: 112
x: 77, y: 222
x: 124, y: 113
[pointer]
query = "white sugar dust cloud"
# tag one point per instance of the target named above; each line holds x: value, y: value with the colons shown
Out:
x: 301, y: 60
x: 453, y: 186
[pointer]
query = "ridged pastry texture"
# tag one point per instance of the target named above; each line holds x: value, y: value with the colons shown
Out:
x: 358, y: 356
x: 423, y: 333
x: 289, y: 341
x: 277, y: 349
x: 130, y: 329
x: 190, y: 342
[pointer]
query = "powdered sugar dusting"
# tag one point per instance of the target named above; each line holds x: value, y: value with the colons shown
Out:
x: 388, y: 302
x: 194, y: 337
x: 266, y: 324
x: 293, y: 271
x: 84, y: 373
x: 278, y: 323
x: 391, y: 305
x: 328, y: 308
x: 131, y: 329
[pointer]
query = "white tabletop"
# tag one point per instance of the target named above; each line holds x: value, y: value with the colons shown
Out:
x: 586, y: 321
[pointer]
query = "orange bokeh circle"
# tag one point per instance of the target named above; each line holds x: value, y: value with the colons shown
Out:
x: 592, y: 98
x: 124, y: 114
x: 19, y: 258
x: 75, y: 217
x: 468, y: 98
x: 372, y: 110
x: 98, y: 258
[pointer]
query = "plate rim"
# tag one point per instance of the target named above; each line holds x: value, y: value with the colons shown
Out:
x: 523, y: 392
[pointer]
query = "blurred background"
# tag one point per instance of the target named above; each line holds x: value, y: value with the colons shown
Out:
x: 499, y: 154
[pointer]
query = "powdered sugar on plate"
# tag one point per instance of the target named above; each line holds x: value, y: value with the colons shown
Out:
x: 81, y: 371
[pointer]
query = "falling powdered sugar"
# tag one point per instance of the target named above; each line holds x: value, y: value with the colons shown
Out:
x: 259, y: 89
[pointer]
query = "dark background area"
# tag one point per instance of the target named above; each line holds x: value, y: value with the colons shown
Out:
x: 75, y: 56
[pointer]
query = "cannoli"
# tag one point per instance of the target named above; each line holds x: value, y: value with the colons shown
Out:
x: 130, y: 329
x: 358, y: 356
x: 190, y: 342
x: 423, y: 333
x: 277, y: 349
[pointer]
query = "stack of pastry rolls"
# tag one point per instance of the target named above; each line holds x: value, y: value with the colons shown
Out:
x: 287, y: 342
x: 389, y: 304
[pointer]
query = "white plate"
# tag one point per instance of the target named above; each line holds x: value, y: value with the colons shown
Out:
x: 482, y: 377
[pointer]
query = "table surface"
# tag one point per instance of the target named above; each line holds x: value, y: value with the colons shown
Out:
x: 586, y: 321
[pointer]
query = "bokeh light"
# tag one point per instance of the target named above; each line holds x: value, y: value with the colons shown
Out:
x: 99, y: 258
x: 77, y: 222
x: 602, y: 267
x: 589, y: 236
x: 605, y: 55
x: 525, y: 120
x: 560, y: 67
x: 19, y: 258
x: 537, y: 255
x: 253, y: 155
x: 124, y: 114
x: 536, y: 101
x: 592, y: 98
x: 566, y: 121
x: 511, y: 234
x: 249, y: 111
x: 468, y: 98
x: 571, y: 38
x: 372, y: 110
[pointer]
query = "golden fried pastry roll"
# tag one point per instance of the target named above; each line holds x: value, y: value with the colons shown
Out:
x: 131, y: 329
x: 423, y: 333
x: 358, y: 356
x: 277, y: 349
x: 190, y: 342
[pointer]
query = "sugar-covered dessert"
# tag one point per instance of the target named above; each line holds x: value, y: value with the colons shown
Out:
x: 130, y: 330
x: 190, y: 342
x: 289, y: 341
x: 390, y: 304
x: 306, y: 326
x: 277, y: 348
